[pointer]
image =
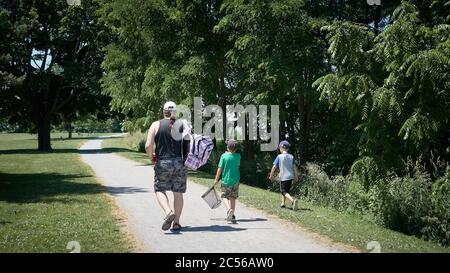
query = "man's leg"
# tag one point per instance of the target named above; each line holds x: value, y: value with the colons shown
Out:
x: 161, y: 185
x: 178, y: 205
x: 163, y: 201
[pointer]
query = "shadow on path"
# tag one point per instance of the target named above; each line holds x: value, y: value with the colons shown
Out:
x: 213, y: 228
x: 251, y: 220
x: 125, y: 190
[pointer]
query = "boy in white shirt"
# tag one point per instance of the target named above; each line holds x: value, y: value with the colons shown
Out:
x: 285, y: 162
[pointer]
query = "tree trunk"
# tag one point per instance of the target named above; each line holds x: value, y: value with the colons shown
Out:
x: 303, y: 109
x: 290, y: 130
x: 378, y: 17
x: 283, y: 115
x: 249, y: 149
x: 69, y: 130
x: 44, y: 134
x: 223, y: 97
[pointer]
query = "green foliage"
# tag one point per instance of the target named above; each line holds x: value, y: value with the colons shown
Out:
x: 367, y: 171
x: 318, y: 187
x: 396, y: 82
x: 162, y: 50
x: 50, y: 55
x: 91, y: 124
x: 359, y: 199
x: 361, y: 91
x: 411, y: 204
x: 405, y: 200
x: 437, y: 226
x: 136, y: 141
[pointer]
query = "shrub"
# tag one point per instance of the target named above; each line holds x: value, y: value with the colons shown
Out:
x: 437, y: 226
x: 405, y: 201
x: 410, y: 204
x: 358, y: 198
x: 318, y: 187
x: 367, y: 171
x: 254, y: 172
x: 436, y: 229
x: 340, y: 190
x: 136, y: 141
x: 441, y: 196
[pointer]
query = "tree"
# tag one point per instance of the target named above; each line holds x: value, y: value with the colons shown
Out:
x: 397, y: 83
x: 51, y: 57
x: 163, y: 50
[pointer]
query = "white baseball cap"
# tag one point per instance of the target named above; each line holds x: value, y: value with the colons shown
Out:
x: 170, y: 105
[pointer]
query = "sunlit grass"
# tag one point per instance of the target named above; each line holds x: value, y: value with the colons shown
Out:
x: 48, y: 199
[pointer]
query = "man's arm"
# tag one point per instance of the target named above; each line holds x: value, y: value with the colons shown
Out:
x: 218, y: 174
x: 151, y: 139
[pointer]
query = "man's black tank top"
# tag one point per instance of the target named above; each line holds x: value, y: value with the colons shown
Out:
x: 166, y: 146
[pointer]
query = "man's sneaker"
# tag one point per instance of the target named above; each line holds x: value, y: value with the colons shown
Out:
x: 282, y: 206
x: 295, y: 204
x: 230, y: 214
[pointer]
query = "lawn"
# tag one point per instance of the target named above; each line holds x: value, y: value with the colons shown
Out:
x: 338, y: 226
x: 50, y: 199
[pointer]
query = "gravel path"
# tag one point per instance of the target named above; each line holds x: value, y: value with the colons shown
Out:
x: 204, y: 230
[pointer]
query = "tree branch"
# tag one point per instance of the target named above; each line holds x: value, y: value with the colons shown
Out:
x: 46, y: 52
x: 38, y: 66
x: 44, y: 61
x: 66, y: 101
x: 55, y: 101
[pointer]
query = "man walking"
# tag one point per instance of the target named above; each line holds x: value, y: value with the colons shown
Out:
x: 170, y: 173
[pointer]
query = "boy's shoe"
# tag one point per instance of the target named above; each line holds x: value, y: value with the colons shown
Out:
x: 295, y: 204
x: 230, y: 214
x: 282, y: 206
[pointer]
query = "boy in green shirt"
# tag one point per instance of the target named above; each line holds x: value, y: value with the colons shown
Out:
x: 229, y: 172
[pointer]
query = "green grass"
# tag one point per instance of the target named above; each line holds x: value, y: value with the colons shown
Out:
x: 48, y: 199
x: 340, y: 227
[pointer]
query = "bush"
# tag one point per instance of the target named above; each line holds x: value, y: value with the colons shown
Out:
x: 411, y: 204
x: 92, y: 124
x: 6, y: 127
x: 441, y: 196
x: 405, y: 201
x: 316, y: 186
x: 367, y: 171
x: 437, y: 226
x: 358, y: 199
x: 436, y: 229
x: 340, y: 190
x: 136, y: 141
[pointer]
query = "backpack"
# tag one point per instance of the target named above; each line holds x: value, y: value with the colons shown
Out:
x: 199, y: 151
